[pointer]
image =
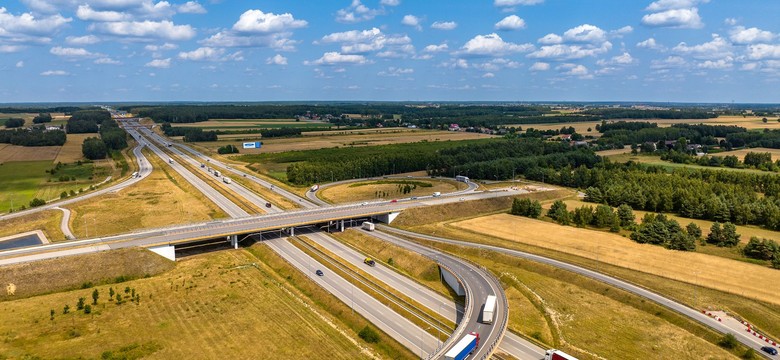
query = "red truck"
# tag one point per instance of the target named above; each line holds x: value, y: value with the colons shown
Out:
x: 557, y: 355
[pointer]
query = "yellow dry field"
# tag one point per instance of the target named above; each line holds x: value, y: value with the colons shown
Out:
x: 741, y: 153
x: 244, y: 123
x: 334, y: 139
x: 375, y: 190
x: 223, y: 305
x: 10, y: 153
x: 580, y: 127
x: 163, y: 198
x: 745, y: 231
x: 613, y: 152
x: 47, y: 221
x: 71, y: 151
x: 706, y: 270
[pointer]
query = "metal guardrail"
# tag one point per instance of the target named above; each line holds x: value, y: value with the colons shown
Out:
x: 467, y: 308
x: 467, y: 312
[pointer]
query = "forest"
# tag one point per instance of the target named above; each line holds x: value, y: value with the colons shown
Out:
x: 86, y: 121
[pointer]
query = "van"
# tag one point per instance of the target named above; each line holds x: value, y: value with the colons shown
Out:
x: 436, y: 194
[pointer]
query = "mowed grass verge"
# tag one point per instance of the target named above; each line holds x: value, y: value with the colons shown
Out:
x: 163, y: 198
x: 217, y: 306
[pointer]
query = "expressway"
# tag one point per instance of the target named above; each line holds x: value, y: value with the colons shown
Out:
x: 395, y: 325
x: 233, y: 210
x: 133, y: 123
x: 743, y: 337
x: 511, y: 343
x: 144, y: 169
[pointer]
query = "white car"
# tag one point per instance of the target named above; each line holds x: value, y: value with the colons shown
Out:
x: 462, y: 199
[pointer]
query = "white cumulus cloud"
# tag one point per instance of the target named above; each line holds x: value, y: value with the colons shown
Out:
x: 356, y: 12
x: 492, y: 45
x: 510, y: 3
x: 55, y: 73
x: 146, y: 29
x: 539, y: 66
x: 436, y: 48
x: 650, y: 43
x: 511, y: 22
x: 159, y: 63
x: 336, y: 58
x: 276, y: 60
x: 444, y: 25
x: 675, y: 18
x: 741, y: 35
x: 191, y: 7
x: 256, y: 21
x: 82, y: 40
x: 413, y: 21
x: 72, y: 53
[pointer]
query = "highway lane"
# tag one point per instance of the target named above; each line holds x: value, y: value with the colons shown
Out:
x: 228, y: 206
x: 227, y: 168
x: 742, y: 337
x: 511, y: 344
x: 234, y: 186
x: 395, y: 325
x: 145, y: 168
x: 479, y: 284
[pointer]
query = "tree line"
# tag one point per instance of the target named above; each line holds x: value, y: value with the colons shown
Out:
x: 86, y: 121
x: 112, y: 138
x: 190, y: 134
x: 35, y: 136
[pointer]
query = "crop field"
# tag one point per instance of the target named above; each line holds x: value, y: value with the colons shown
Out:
x: 706, y: 270
x: 219, y: 305
x: 655, y: 160
x: 237, y: 124
x: 163, y: 198
x: 741, y: 153
x: 19, y: 182
x: 745, y: 230
x: 386, y: 189
x: 71, y: 151
x: 750, y: 123
x: 9, y: 153
x: 341, y: 138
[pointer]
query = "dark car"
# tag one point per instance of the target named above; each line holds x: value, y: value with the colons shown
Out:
x: 319, y: 273
x: 769, y: 350
x: 268, y: 205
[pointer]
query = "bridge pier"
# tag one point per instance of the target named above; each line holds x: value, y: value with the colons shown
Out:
x: 233, y: 239
x: 387, y: 218
x: 292, y: 231
x: 342, y: 225
x: 166, y: 251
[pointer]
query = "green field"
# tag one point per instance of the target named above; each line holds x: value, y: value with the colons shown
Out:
x: 308, y: 126
x: 21, y: 181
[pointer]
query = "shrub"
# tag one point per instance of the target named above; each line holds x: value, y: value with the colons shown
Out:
x: 728, y: 341
x: 369, y: 335
x: 88, y: 309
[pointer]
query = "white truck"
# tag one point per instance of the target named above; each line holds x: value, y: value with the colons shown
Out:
x: 216, y: 173
x: 489, y: 309
x: 170, y: 161
x: 367, y: 225
x: 436, y: 194
x: 226, y: 180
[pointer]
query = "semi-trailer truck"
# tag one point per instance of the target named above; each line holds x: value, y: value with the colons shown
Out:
x: 489, y: 309
x: 367, y: 225
x: 464, y: 347
x: 462, y: 178
x: 557, y: 355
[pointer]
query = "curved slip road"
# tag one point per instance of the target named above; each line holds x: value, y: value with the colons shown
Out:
x: 65, y: 223
x: 144, y: 169
x: 747, y: 340
x: 511, y: 344
x: 312, y: 195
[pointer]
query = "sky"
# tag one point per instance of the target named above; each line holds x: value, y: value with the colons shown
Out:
x: 390, y: 50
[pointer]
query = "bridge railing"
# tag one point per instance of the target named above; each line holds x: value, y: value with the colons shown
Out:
x: 467, y: 313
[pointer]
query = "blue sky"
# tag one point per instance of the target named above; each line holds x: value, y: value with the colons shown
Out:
x: 398, y: 50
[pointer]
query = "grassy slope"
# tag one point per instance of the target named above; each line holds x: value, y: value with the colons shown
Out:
x: 46, y: 221
x: 219, y: 305
x: 19, y: 181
